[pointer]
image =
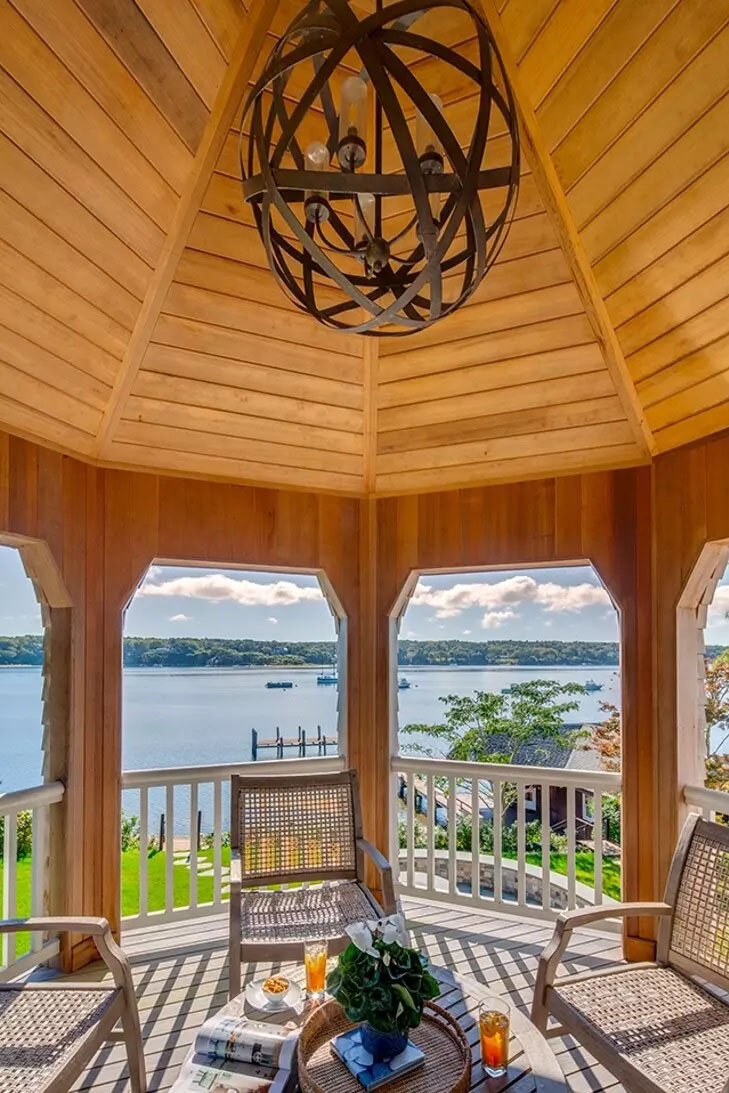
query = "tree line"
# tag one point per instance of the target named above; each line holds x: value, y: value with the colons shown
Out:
x: 27, y: 649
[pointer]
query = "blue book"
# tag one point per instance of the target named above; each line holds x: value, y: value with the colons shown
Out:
x: 371, y: 1075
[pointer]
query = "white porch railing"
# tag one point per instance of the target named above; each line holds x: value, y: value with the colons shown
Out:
x: 17, y: 902
x: 708, y: 802
x: 449, y: 793
x: 181, y: 793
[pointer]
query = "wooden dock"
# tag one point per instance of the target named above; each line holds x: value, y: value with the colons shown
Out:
x: 315, y: 745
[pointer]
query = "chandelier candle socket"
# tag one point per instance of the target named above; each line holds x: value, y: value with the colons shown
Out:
x: 375, y: 214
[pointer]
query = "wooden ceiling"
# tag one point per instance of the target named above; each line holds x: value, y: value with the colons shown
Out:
x: 140, y: 326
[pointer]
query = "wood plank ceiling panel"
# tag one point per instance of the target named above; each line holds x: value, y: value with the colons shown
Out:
x: 637, y: 124
x: 98, y: 123
x: 139, y: 322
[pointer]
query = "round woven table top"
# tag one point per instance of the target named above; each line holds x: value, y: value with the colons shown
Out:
x: 447, y: 1067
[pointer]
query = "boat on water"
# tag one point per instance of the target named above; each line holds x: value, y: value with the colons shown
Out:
x: 403, y: 684
x: 279, y: 685
x: 592, y: 686
x: 327, y: 679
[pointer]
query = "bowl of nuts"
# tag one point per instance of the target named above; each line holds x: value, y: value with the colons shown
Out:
x: 275, y: 987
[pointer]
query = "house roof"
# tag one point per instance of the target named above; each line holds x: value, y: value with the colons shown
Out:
x: 142, y: 327
x: 544, y: 752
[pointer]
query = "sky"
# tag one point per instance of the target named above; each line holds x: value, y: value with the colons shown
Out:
x: 566, y: 603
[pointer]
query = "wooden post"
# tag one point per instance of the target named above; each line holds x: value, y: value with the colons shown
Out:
x: 162, y: 831
x: 254, y: 744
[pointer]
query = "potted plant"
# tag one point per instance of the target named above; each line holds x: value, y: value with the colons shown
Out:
x: 382, y: 984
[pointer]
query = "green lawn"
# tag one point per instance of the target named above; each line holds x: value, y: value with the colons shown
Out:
x: 156, y: 867
x: 585, y: 865
x: 23, y: 881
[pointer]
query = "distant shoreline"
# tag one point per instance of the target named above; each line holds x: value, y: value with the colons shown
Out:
x: 177, y: 653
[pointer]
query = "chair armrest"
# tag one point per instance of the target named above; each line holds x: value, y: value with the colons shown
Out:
x: 583, y: 916
x: 381, y: 863
x: 82, y: 924
x: 566, y: 922
x: 112, y: 955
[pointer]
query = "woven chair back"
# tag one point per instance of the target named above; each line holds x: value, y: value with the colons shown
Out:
x: 700, y: 924
x: 295, y: 828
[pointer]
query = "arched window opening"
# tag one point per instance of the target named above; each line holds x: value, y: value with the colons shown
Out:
x: 702, y: 674
x: 35, y: 621
x: 222, y: 667
x: 505, y: 696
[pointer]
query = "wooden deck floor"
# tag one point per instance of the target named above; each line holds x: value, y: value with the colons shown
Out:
x: 181, y: 979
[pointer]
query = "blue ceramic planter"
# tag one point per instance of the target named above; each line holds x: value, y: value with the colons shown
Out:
x: 382, y: 1045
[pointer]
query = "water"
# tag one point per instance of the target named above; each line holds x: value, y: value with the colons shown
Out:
x: 189, y: 716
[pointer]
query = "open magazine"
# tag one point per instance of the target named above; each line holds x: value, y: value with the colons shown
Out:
x: 233, y: 1054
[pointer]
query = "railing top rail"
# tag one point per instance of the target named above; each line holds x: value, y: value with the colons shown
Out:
x: 715, y: 799
x: 165, y: 776
x: 509, y: 772
x: 20, y: 799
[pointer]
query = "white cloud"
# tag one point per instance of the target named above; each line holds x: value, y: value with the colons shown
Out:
x: 719, y: 610
x: 180, y: 618
x: 506, y: 594
x: 492, y: 620
x: 466, y: 632
x: 272, y: 619
x: 217, y: 588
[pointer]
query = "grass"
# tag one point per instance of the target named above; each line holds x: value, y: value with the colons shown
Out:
x: 23, y: 888
x: 156, y: 870
x: 585, y: 870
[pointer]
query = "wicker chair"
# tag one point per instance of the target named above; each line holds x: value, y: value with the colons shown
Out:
x: 50, y: 1030
x: 293, y: 830
x: 653, y: 1025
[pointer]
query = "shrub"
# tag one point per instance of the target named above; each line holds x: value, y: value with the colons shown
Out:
x: 24, y: 834
x: 129, y: 832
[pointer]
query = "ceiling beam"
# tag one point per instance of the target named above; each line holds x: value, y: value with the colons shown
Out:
x: 222, y: 116
x: 550, y: 189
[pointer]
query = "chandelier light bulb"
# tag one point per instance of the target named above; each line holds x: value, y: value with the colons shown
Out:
x: 316, y: 203
x: 352, y: 150
x: 364, y: 219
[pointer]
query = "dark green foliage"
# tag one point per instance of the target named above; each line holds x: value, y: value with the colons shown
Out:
x: 228, y: 652
x: 532, y: 837
x: 389, y: 996
x: 25, y: 834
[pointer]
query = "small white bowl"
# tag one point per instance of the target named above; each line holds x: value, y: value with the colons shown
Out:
x: 276, y: 997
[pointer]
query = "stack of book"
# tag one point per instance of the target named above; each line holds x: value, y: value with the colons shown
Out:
x: 233, y: 1054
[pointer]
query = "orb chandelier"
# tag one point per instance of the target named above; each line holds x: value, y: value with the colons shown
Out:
x: 378, y: 215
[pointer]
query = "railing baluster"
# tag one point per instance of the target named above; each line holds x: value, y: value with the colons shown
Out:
x: 571, y: 849
x: 217, y: 841
x: 597, y: 839
x: 170, y: 848
x: 520, y: 846
x: 10, y: 854
x: 430, y: 834
x: 39, y: 874
x: 193, y: 844
x: 475, y: 840
x: 410, y: 829
x: 497, y: 836
x: 546, y: 834
x: 143, y: 851
x: 452, y: 835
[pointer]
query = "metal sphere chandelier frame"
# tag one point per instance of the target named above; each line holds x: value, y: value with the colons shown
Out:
x: 324, y: 208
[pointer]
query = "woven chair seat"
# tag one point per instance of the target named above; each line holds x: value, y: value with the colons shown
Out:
x: 302, y: 914
x: 663, y: 1024
x: 41, y: 1030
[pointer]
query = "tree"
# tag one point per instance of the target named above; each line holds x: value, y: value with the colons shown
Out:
x: 491, y: 728
x: 606, y: 737
x: 716, y: 712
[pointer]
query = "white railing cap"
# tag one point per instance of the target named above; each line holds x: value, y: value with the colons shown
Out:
x: 509, y: 772
x: 21, y: 799
x: 169, y: 776
x: 715, y: 799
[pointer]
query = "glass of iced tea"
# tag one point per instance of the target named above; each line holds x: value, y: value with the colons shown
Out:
x: 493, y: 1023
x: 315, y: 962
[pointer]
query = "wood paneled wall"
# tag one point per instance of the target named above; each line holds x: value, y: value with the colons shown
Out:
x: 642, y: 528
x: 602, y: 518
x: 691, y: 505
